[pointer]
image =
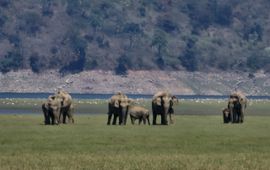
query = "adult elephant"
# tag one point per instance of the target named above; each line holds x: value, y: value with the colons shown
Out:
x: 117, y: 107
x: 67, y: 108
x: 162, y: 104
x: 51, y: 110
x: 237, y: 105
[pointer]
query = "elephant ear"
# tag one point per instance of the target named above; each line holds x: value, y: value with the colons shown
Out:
x: 116, y: 103
x: 65, y: 97
x: 125, y: 101
x: 158, y: 101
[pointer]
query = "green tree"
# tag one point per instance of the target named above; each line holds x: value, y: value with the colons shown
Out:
x: 12, y: 61
x: 189, y: 59
x: 132, y: 30
x: 159, y: 41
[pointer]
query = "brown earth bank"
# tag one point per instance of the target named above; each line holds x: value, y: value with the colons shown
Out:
x: 137, y: 82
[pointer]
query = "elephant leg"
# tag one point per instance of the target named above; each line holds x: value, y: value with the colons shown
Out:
x: 53, y: 119
x: 224, y: 118
x: 171, y: 118
x: 46, y: 115
x: 70, y: 116
x: 148, y: 120
x: 154, y: 119
x: 120, y: 119
x: 114, y: 119
x: 56, y: 116
x: 234, y: 117
x: 125, y: 119
x: 47, y: 118
x: 229, y: 118
x: 242, y: 116
x: 144, y: 120
x: 163, y: 119
x: 132, y: 119
x: 64, y: 116
x: 109, y: 118
x: 140, y: 120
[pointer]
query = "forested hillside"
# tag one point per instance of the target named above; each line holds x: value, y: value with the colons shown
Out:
x: 192, y: 35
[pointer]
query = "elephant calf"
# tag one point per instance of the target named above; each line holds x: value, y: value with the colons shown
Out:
x: 137, y: 112
x: 226, y: 115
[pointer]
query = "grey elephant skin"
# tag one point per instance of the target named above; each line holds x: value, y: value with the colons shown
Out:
x: 162, y: 104
x: 57, y: 108
x: 140, y: 113
x: 237, y: 104
x: 117, y: 107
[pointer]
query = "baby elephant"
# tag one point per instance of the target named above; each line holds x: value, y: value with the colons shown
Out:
x: 226, y: 115
x: 137, y: 112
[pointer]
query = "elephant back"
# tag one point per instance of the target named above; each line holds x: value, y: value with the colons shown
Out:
x: 65, y: 96
x: 53, y: 101
x: 157, y: 97
x: 240, y: 96
x: 118, y: 98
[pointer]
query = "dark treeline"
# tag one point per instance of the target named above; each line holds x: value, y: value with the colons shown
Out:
x: 192, y: 35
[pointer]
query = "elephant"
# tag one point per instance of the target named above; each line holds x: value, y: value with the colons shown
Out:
x: 117, y: 106
x: 67, y: 107
x: 237, y: 104
x: 226, y: 115
x: 162, y: 104
x: 51, y: 110
x: 57, y: 108
x: 137, y: 112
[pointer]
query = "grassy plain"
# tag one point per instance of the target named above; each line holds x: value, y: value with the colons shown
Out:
x: 193, y: 142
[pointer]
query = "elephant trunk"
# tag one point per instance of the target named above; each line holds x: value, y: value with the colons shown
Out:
x: 231, y: 113
x: 164, y: 120
x: 123, y: 116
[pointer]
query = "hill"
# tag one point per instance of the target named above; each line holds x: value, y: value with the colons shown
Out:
x: 120, y: 35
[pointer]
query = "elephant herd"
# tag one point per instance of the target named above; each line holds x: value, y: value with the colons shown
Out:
x: 59, y: 107
x: 120, y: 106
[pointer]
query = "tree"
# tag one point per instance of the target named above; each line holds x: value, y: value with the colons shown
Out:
x: 132, y: 30
x: 159, y: 41
x: 167, y: 25
x: 96, y: 22
x: 12, y: 61
x: 31, y: 23
x: 188, y: 58
x: 78, y: 46
x: 36, y: 63
x: 123, y: 65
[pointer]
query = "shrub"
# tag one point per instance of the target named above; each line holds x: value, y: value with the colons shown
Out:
x: 123, y: 65
x: 47, y: 9
x: 14, y: 39
x: 36, y: 63
x: 188, y: 58
x: 12, y: 61
x: 31, y: 23
x: 5, y: 3
x: 167, y: 25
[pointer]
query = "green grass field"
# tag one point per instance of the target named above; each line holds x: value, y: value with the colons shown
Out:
x: 193, y: 142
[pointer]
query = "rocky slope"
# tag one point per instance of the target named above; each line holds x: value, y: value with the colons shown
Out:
x: 137, y: 82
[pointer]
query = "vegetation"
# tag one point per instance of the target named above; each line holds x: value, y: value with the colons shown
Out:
x: 191, y: 35
x: 194, y: 142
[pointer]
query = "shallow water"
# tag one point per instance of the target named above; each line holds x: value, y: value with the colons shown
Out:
x: 30, y: 103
